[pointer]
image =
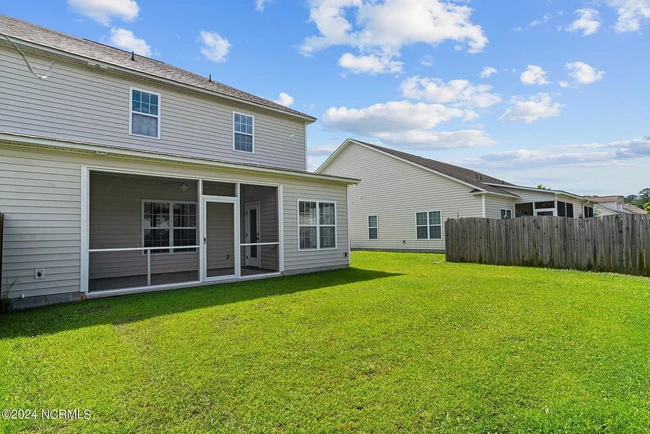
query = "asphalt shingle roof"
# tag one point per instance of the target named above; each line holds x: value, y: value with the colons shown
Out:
x: 633, y: 209
x: 605, y: 199
x: 29, y: 32
x: 467, y: 176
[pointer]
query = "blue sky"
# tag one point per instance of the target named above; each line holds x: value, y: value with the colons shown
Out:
x: 536, y: 91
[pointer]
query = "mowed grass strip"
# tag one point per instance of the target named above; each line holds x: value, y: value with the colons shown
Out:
x: 397, y: 343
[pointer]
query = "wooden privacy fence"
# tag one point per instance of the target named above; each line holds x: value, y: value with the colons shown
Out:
x: 2, y: 223
x: 617, y: 244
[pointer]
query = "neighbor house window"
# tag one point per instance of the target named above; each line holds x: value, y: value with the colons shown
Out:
x: 169, y: 224
x: 565, y: 209
x: 145, y: 113
x: 589, y: 211
x: 506, y: 214
x: 428, y: 225
x: 373, y: 227
x: 243, y: 132
x: 316, y: 225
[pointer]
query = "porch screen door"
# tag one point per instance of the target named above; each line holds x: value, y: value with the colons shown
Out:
x: 220, y: 220
x: 252, y: 234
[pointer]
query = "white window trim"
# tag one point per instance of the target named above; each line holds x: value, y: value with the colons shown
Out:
x: 507, y: 210
x: 159, y: 116
x: 236, y: 132
x: 318, y: 225
x: 171, y: 226
x: 428, y: 238
x: 372, y: 227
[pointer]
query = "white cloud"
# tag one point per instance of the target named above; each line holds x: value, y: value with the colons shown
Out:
x: 103, y: 11
x: 534, y: 75
x: 405, y: 124
x: 563, y: 84
x: 394, y: 116
x: 631, y: 14
x: 426, y: 60
x: 321, y: 151
x: 588, y: 22
x: 583, y: 73
x: 284, y: 99
x: 542, y: 21
x: 383, y: 28
x: 126, y: 40
x: 259, y: 5
x: 370, y: 64
x: 488, y: 72
x: 459, y: 92
x: 535, y: 108
x: 214, y: 47
x: 437, y: 140
x: 607, y: 154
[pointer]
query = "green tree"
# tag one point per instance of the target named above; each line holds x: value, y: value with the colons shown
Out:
x: 647, y: 207
x: 644, y: 196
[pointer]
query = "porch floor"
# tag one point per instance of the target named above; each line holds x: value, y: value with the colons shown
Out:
x: 126, y: 282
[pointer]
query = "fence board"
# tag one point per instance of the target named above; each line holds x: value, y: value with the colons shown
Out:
x: 619, y: 244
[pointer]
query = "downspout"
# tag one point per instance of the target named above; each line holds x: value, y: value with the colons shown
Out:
x: 484, y: 206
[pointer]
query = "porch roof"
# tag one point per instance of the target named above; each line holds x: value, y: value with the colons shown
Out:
x: 54, y: 143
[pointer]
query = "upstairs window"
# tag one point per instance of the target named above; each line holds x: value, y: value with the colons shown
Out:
x: 428, y: 225
x: 145, y: 113
x: 243, y: 133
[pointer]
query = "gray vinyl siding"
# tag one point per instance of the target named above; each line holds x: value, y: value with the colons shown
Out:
x: 394, y: 191
x: 43, y: 224
x: 86, y: 104
x: 526, y: 196
x: 494, y: 205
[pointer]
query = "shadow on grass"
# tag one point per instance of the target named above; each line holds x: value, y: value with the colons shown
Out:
x: 131, y: 308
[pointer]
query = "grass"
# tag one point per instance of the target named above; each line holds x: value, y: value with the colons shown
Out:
x: 398, y: 343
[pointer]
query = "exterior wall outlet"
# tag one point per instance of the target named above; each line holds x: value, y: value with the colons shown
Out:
x: 39, y: 273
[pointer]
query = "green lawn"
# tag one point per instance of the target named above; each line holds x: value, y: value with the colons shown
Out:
x: 398, y: 343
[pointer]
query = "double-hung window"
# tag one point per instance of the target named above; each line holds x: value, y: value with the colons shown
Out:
x: 428, y: 225
x: 373, y: 227
x: 169, y: 224
x: 316, y: 225
x: 145, y: 113
x: 506, y: 214
x: 243, y: 133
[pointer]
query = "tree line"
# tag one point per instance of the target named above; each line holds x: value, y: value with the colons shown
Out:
x: 641, y: 200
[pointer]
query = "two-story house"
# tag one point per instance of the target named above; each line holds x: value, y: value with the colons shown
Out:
x: 403, y: 199
x: 122, y: 174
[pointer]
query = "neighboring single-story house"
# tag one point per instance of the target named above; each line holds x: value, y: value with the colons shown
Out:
x: 403, y: 200
x: 613, y: 205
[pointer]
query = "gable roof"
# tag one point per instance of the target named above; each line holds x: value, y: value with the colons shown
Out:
x: 605, y: 199
x: 466, y: 176
x: 44, y: 37
x: 633, y: 209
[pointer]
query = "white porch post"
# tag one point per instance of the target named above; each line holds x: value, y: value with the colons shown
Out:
x: 237, y: 212
x: 201, y: 225
x: 281, y: 229
x: 85, y: 229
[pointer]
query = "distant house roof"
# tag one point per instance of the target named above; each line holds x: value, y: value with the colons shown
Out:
x: 24, y: 31
x: 633, y: 209
x: 478, y: 180
x: 605, y: 199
